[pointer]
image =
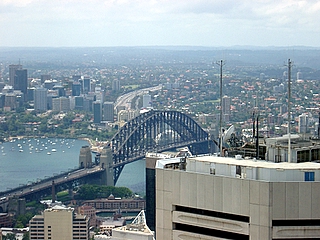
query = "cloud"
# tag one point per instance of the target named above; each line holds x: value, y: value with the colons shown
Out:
x: 158, y: 21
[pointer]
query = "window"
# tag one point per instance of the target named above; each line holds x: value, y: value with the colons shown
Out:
x: 309, y: 176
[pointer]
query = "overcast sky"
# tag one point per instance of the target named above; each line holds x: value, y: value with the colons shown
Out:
x: 76, y: 23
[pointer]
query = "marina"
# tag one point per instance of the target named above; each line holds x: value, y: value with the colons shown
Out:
x: 27, y: 160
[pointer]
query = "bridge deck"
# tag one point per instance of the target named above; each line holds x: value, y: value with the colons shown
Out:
x: 71, y: 176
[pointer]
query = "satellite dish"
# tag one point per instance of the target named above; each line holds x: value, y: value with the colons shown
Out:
x: 227, y: 134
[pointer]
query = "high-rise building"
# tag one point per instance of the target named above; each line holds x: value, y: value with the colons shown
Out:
x: 13, y: 100
x: 40, y: 99
x: 303, y: 123
x: 12, y: 72
x: 61, y: 104
x: 210, y: 197
x: 59, y: 222
x: 21, y: 81
x: 87, y: 104
x: 2, y: 99
x: 116, y: 85
x: 86, y: 85
x: 78, y: 102
x: 30, y: 94
x: 76, y: 89
x: 146, y: 101
x: 226, y: 111
x: 226, y: 103
x: 97, y: 112
x: 108, y: 111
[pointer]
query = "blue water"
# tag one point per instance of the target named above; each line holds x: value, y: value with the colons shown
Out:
x: 27, y: 160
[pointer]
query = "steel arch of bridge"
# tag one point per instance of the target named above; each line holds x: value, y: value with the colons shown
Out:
x: 142, y: 134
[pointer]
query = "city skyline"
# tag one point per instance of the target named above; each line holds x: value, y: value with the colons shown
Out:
x: 80, y: 23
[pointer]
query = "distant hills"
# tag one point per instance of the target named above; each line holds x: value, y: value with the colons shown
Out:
x: 302, y: 56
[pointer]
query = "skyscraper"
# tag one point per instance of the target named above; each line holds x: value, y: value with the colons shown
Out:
x: 78, y: 102
x: 86, y: 85
x: 21, y: 81
x: 108, y: 111
x: 12, y: 72
x: 40, y: 99
x: 76, y: 89
x: 97, y: 112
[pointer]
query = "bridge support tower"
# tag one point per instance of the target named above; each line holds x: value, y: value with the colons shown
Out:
x: 106, y: 162
x: 85, y: 157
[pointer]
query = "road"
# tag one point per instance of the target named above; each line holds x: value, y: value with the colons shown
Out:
x: 126, y: 99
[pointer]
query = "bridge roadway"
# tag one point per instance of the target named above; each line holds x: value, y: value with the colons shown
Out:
x: 46, y: 184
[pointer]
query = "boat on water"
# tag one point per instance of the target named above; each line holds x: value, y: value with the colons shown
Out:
x: 49, y: 153
x: 53, y: 150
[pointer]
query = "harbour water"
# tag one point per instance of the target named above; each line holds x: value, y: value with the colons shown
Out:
x: 23, y: 161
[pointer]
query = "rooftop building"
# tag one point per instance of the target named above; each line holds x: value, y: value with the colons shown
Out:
x: 210, y: 197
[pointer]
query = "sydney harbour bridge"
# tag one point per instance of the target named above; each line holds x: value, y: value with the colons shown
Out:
x: 156, y: 131
x: 152, y: 131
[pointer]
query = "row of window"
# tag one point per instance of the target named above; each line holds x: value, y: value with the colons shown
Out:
x: 133, y: 205
x: 207, y: 231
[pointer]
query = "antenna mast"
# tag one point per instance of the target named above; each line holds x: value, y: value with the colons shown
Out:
x: 289, y: 110
x: 221, y: 64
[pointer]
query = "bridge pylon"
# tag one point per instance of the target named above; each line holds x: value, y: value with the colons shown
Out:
x: 106, y: 162
x: 85, y: 157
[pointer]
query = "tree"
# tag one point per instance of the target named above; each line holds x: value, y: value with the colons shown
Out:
x: 26, y: 236
x: 9, y: 236
x: 88, y: 192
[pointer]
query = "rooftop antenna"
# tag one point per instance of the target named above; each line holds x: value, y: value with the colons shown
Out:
x: 319, y: 125
x: 289, y: 109
x: 221, y: 64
